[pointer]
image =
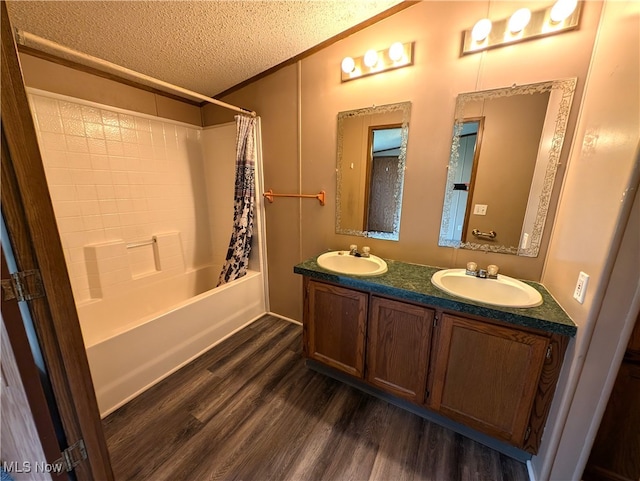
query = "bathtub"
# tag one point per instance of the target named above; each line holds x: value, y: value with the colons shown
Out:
x: 138, y: 338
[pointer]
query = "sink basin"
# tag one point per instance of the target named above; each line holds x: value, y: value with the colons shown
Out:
x: 343, y: 263
x: 503, y: 291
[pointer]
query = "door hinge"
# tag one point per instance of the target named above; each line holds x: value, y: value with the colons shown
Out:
x: 435, y: 321
x: 72, y: 456
x: 549, y: 351
x: 527, y: 433
x: 23, y: 286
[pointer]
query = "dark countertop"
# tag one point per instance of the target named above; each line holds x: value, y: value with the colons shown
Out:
x: 413, y: 283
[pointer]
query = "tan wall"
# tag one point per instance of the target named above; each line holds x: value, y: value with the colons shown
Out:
x: 53, y: 77
x: 438, y: 75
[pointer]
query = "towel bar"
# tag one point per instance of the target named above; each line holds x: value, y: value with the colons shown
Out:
x: 321, y: 196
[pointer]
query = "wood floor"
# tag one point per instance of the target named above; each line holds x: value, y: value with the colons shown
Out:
x: 250, y: 410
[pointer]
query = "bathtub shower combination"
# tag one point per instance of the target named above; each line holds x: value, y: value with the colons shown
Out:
x: 144, y: 208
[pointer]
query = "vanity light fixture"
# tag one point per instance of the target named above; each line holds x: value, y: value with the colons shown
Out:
x: 519, y: 20
x: 371, y: 58
x: 562, y: 9
x: 524, y: 24
x: 348, y: 65
x: 481, y: 30
x: 396, y: 51
x: 375, y: 61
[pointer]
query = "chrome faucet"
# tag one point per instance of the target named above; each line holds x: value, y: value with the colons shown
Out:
x: 353, y: 251
x: 491, y: 272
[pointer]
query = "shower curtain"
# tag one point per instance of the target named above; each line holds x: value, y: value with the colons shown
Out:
x: 244, y: 201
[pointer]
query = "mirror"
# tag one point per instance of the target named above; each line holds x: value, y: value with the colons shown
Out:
x: 371, y: 157
x: 504, y: 157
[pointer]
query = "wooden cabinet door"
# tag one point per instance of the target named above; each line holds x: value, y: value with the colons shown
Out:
x: 334, y: 326
x: 399, y: 337
x: 486, y: 376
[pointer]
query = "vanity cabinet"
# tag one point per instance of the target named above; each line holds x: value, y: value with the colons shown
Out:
x: 486, y: 376
x: 491, y: 376
x: 334, y: 326
x: 398, y: 344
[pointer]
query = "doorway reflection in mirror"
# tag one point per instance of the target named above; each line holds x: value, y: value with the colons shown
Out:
x: 464, y: 178
x: 372, y: 145
x: 501, y: 176
x: 381, y: 203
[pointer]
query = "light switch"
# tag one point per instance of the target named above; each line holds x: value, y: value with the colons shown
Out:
x: 480, y: 209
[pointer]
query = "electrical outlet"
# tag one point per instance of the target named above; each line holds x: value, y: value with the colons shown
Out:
x: 581, y: 287
x: 480, y: 209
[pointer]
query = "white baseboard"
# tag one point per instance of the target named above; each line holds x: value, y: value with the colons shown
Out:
x: 293, y: 321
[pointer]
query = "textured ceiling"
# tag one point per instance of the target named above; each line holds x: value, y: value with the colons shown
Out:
x: 204, y: 46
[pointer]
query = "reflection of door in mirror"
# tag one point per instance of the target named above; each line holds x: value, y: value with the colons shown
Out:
x: 372, y: 150
x: 382, y: 177
x: 523, y: 130
x: 465, y: 176
x: 507, y: 160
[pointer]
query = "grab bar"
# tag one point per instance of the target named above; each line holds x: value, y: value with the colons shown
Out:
x: 142, y: 243
x: 320, y: 196
x: 491, y: 234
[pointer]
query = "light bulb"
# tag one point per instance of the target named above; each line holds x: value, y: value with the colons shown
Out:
x: 481, y: 30
x: 562, y: 9
x: 371, y: 58
x: 348, y: 64
x: 519, y: 20
x: 396, y: 51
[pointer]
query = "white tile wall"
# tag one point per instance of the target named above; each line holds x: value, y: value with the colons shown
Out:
x: 120, y: 176
x: 219, y: 144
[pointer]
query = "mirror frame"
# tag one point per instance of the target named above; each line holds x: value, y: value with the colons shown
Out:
x: 535, y: 215
x: 405, y: 108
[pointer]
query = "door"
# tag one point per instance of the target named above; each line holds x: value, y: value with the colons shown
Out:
x: 615, y: 452
x: 334, y: 326
x: 381, y: 195
x: 398, y: 344
x: 33, y: 234
x: 486, y: 376
x: 29, y: 448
